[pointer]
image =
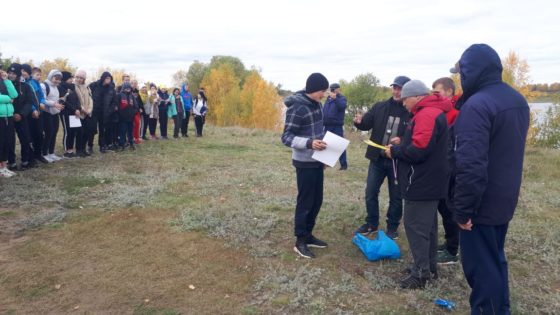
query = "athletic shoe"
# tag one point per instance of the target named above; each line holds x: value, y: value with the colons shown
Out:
x: 392, y: 233
x: 6, y: 173
x: 302, y: 250
x: 411, y: 282
x: 445, y: 258
x: 312, y: 241
x: 55, y: 157
x: 366, y: 229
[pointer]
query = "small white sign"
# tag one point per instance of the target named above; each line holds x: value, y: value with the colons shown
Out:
x: 75, y: 121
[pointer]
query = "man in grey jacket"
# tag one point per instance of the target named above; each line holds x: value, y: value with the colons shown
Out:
x: 303, y: 132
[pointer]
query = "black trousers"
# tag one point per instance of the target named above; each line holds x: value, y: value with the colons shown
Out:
x: 420, y: 225
x: 445, y: 208
x: 152, y: 122
x: 36, y: 132
x: 309, y: 200
x: 145, y: 122
x: 7, y: 137
x: 178, y: 125
x: 22, y: 130
x: 89, y: 129
x: 71, y: 135
x: 486, y: 269
x: 107, y: 131
x: 198, y: 123
x: 50, y: 128
x: 185, y: 127
x: 163, y: 123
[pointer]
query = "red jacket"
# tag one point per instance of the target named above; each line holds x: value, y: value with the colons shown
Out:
x: 422, y: 155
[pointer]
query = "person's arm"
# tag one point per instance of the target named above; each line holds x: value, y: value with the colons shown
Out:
x: 424, y: 136
x: 12, y: 92
x: 472, y: 131
x: 291, y: 129
x: 366, y: 121
x: 48, y: 102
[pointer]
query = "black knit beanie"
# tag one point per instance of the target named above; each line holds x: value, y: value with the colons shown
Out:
x: 316, y: 82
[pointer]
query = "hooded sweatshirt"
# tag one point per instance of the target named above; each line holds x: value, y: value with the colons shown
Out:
x: 52, y: 97
x: 105, y: 98
x: 490, y: 140
x: 304, y: 123
x: 423, y: 169
x: 7, y: 93
x: 187, y: 98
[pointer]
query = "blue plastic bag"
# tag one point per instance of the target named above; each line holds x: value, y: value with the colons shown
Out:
x: 382, y: 247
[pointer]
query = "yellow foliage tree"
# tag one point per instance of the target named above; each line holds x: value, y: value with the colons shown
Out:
x: 61, y: 64
x: 266, y: 106
x: 222, y: 90
x: 247, y: 99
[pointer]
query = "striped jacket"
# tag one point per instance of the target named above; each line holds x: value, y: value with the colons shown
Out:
x: 304, y: 123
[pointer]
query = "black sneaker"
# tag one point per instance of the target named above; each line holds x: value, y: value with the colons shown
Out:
x: 366, y: 229
x: 13, y: 167
x: 103, y: 149
x: 412, y: 282
x: 131, y: 147
x: 441, y: 247
x: 446, y: 258
x: 343, y: 168
x: 312, y: 241
x: 302, y: 250
x: 89, y: 151
x: 69, y: 155
x: 392, y: 234
x: 433, y: 274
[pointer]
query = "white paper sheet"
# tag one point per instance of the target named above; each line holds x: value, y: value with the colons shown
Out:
x: 75, y: 121
x: 335, y: 146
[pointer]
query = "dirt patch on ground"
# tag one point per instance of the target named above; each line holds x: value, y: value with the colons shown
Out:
x: 120, y: 263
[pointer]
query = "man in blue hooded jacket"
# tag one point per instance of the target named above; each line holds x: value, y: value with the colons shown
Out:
x: 187, y: 104
x: 333, y: 116
x: 490, y: 145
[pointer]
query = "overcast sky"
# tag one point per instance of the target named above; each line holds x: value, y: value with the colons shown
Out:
x: 286, y: 39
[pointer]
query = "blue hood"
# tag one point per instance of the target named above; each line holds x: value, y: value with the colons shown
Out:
x: 479, y: 66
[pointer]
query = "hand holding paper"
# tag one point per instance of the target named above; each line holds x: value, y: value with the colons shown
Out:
x: 335, y: 145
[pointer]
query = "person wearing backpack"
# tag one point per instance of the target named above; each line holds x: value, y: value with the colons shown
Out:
x: 53, y: 106
x: 127, y: 110
x: 7, y: 134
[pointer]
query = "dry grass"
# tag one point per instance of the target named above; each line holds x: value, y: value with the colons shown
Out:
x: 216, y: 212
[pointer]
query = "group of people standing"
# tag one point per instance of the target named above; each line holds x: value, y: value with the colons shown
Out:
x: 459, y: 155
x: 34, y: 109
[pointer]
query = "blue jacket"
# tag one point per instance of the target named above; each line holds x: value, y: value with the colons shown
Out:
x: 334, y: 110
x: 187, y: 98
x: 490, y: 140
x: 38, y: 91
x: 304, y: 123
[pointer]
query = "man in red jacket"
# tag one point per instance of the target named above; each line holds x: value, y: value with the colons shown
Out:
x: 422, y: 173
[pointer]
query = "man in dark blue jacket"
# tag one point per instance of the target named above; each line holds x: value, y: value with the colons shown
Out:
x: 490, y: 145
x: 333, y: 116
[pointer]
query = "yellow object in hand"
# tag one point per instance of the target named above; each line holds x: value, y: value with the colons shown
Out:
x: 375, y: 145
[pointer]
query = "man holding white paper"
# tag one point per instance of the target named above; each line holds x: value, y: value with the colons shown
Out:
x: 303, y: 132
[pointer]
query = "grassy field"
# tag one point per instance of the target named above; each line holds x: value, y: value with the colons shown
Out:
x: 204, y: 226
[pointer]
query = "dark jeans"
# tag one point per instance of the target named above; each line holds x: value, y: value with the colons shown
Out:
x: 145, y: 122
x: 185, y: 127
x: 106, y: 133
x: 451, y: 228
x: 50, y: 127
x: 152, y: 122
x: 36, y: 131
x: 420, y: 225
x: 199, y: 123
x: 178, y: 125
x: 309, y: 200
x: 485, y: 267
x: 377, y: 172
x: 22, y: 130
x: 339, y: 131
x: 125, y: 130
x: 163, y: 122
x: 7, y: 137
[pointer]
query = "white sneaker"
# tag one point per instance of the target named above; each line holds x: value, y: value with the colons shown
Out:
x: 55, y: 157
x: 4, y: 172
x: 48, y: 158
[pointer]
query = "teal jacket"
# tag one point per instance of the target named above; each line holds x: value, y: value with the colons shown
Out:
x: 171, y: 109
x: 6, y: 106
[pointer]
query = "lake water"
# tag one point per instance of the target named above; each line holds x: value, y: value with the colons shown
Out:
x: 540, y: 109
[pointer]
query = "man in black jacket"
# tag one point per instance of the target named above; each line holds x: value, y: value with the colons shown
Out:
x: 387, y: 123
x: 23, y: 107
x: 105, y: 109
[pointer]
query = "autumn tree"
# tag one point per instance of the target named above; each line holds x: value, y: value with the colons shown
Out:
x: 179, y: 78
x: 259, y: 103
x: 222, y: 91
x: 235, y: 63
x: 195, y: 74
x: 61, y: 64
